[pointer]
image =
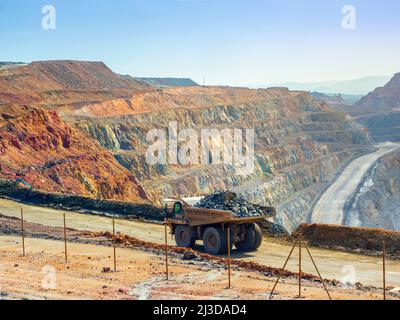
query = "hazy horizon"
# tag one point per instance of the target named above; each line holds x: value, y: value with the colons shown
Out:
x: 220, y: 42
x: 172, y: 76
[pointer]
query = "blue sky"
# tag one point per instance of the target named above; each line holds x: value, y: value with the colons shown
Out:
x: 232, y: 42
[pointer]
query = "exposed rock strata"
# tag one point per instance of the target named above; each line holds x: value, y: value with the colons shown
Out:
x: 300, y: 145
x: 300, y: 142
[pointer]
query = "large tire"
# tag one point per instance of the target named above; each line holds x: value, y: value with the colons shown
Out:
x: 258, y: 236
x: 183, y: 237
x: 249, y: 242
x: 213, y: 240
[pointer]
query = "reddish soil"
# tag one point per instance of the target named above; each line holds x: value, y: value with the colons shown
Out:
x: 365, y: 240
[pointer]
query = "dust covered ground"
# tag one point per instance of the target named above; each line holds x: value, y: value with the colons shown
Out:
x: 43, y: 273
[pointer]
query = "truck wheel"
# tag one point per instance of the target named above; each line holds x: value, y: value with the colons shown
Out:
x: 258, y: 236
x: 249, y: 242
x: 213, y: 240
x: 183, y: 237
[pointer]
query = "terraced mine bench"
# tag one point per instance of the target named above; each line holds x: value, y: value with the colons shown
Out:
x: 189, y: 224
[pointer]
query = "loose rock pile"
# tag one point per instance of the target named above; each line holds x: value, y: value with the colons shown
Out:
x: 226, y: 200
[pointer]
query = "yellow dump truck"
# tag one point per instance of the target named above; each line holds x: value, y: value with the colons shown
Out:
x: 189, y: 224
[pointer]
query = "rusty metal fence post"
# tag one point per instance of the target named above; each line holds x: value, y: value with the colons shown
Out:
x: 300, y: 269
x: 316, y: 268
x: 384, y: 269
x: 166, y: 250
x: 283, y: 268
x: 228, y: 236
x: 23, y: 232
x: 114, y: 245
x: 301, y: 243
x: 65, y: 240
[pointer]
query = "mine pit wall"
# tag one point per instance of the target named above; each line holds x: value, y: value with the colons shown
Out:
x: 296, y: 192
x: 383, y: 126
x: 299, y: 147
x: 376, y: 203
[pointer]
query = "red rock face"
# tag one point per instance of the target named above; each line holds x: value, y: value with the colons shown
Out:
x: 36, y: 145
x: 40, y: 148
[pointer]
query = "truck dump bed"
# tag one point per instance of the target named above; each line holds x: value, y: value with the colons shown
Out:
x: 202, y: 216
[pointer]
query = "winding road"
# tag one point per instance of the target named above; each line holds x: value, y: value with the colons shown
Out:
x: 329, y: 208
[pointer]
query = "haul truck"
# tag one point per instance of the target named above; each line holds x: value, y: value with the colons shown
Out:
x: 189, y: 224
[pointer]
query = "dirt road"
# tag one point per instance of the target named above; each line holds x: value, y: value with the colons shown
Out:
x: 345, y: 267
x: 52, y: 217
x: 329, y: 209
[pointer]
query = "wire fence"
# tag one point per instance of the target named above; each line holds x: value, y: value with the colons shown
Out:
x: 366, y: 273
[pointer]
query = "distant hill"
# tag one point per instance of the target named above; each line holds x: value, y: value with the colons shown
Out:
x: 169, y: 82
x: 7, y: 63
x: 386, y: 97
x: 360, y: 86
x: 63, y: 82
x: 379, y: 111
x: 337, y: 100
x: 65, y: 75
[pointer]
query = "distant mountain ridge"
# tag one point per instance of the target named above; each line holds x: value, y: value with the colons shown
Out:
x: 7, y: 63
x: 379, y: 111
x: 386, y: 97
x: 360, y: 86
x: 10, y: 65
x: 169, y: 82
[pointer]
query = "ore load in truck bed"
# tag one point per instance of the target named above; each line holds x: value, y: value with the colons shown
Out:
x: 226, y: 200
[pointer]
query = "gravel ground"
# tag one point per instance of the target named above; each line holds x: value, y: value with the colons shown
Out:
x: 140, y: 273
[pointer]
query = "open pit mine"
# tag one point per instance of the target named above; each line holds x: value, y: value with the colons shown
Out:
x: 77, y: 128
x: 74, y: 139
